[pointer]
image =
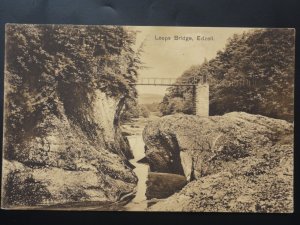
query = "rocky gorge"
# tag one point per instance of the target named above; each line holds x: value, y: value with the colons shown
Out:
x: 70, y: 89
x: 237, y: 162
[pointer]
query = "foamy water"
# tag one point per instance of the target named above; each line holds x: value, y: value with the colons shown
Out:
x: 139, y: 203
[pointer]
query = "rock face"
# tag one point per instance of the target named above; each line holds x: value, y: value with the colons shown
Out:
x: 236, y: 163
x: 162, y: 185
x: 70, y: 157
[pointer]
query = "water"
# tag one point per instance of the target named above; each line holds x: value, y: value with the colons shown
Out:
x: 139, y: 203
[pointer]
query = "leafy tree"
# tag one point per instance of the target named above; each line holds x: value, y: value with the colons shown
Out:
x: 134, y: 110
x: 144, y: 111
x: 52, y: 65
x: 254, y: 73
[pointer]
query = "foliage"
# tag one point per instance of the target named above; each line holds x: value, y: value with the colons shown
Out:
x: 175, y: 105
x: 134, y: 110
x: 144, y: 111
x: 254, y: 73
x: 52, y: 65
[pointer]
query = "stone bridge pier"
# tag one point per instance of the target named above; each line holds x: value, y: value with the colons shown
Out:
x: 202, y: 98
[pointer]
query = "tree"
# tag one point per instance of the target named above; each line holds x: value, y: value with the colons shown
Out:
x: 133, y: 110
x: 51, y: 65
x: 254, y: 73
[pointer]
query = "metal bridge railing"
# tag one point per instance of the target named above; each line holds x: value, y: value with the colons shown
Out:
x: 170, y: 81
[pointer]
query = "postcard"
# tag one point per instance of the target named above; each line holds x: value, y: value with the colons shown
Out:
x: 148, y: 118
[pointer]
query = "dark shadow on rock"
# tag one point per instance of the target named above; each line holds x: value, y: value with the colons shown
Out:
x: 143, y: 160
x: 162, y: 185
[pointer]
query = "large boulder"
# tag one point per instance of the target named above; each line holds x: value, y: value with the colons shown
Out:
x: 28, y: 187
x: 236, y: 163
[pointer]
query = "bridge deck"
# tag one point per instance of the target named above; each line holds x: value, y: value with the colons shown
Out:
x: 165, y: 82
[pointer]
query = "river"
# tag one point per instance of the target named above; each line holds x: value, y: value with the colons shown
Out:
x: 135, y: 129
x: 141, y: 170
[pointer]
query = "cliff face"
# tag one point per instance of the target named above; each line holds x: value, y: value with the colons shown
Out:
x: 76, y: 154
x: 65, y: 87
x: 235, y: 163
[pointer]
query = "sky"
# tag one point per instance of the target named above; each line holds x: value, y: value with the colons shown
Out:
x: 170, y: 58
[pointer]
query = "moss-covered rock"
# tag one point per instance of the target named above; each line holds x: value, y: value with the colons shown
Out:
x: 236, y: 163
x: 61, y: 164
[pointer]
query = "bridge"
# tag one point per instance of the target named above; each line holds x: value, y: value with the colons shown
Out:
x: 164, y: 82
x: 157, y: 81
x: 200, y: 90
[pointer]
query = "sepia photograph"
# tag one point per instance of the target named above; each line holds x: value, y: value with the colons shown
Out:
x: 148, y: 118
